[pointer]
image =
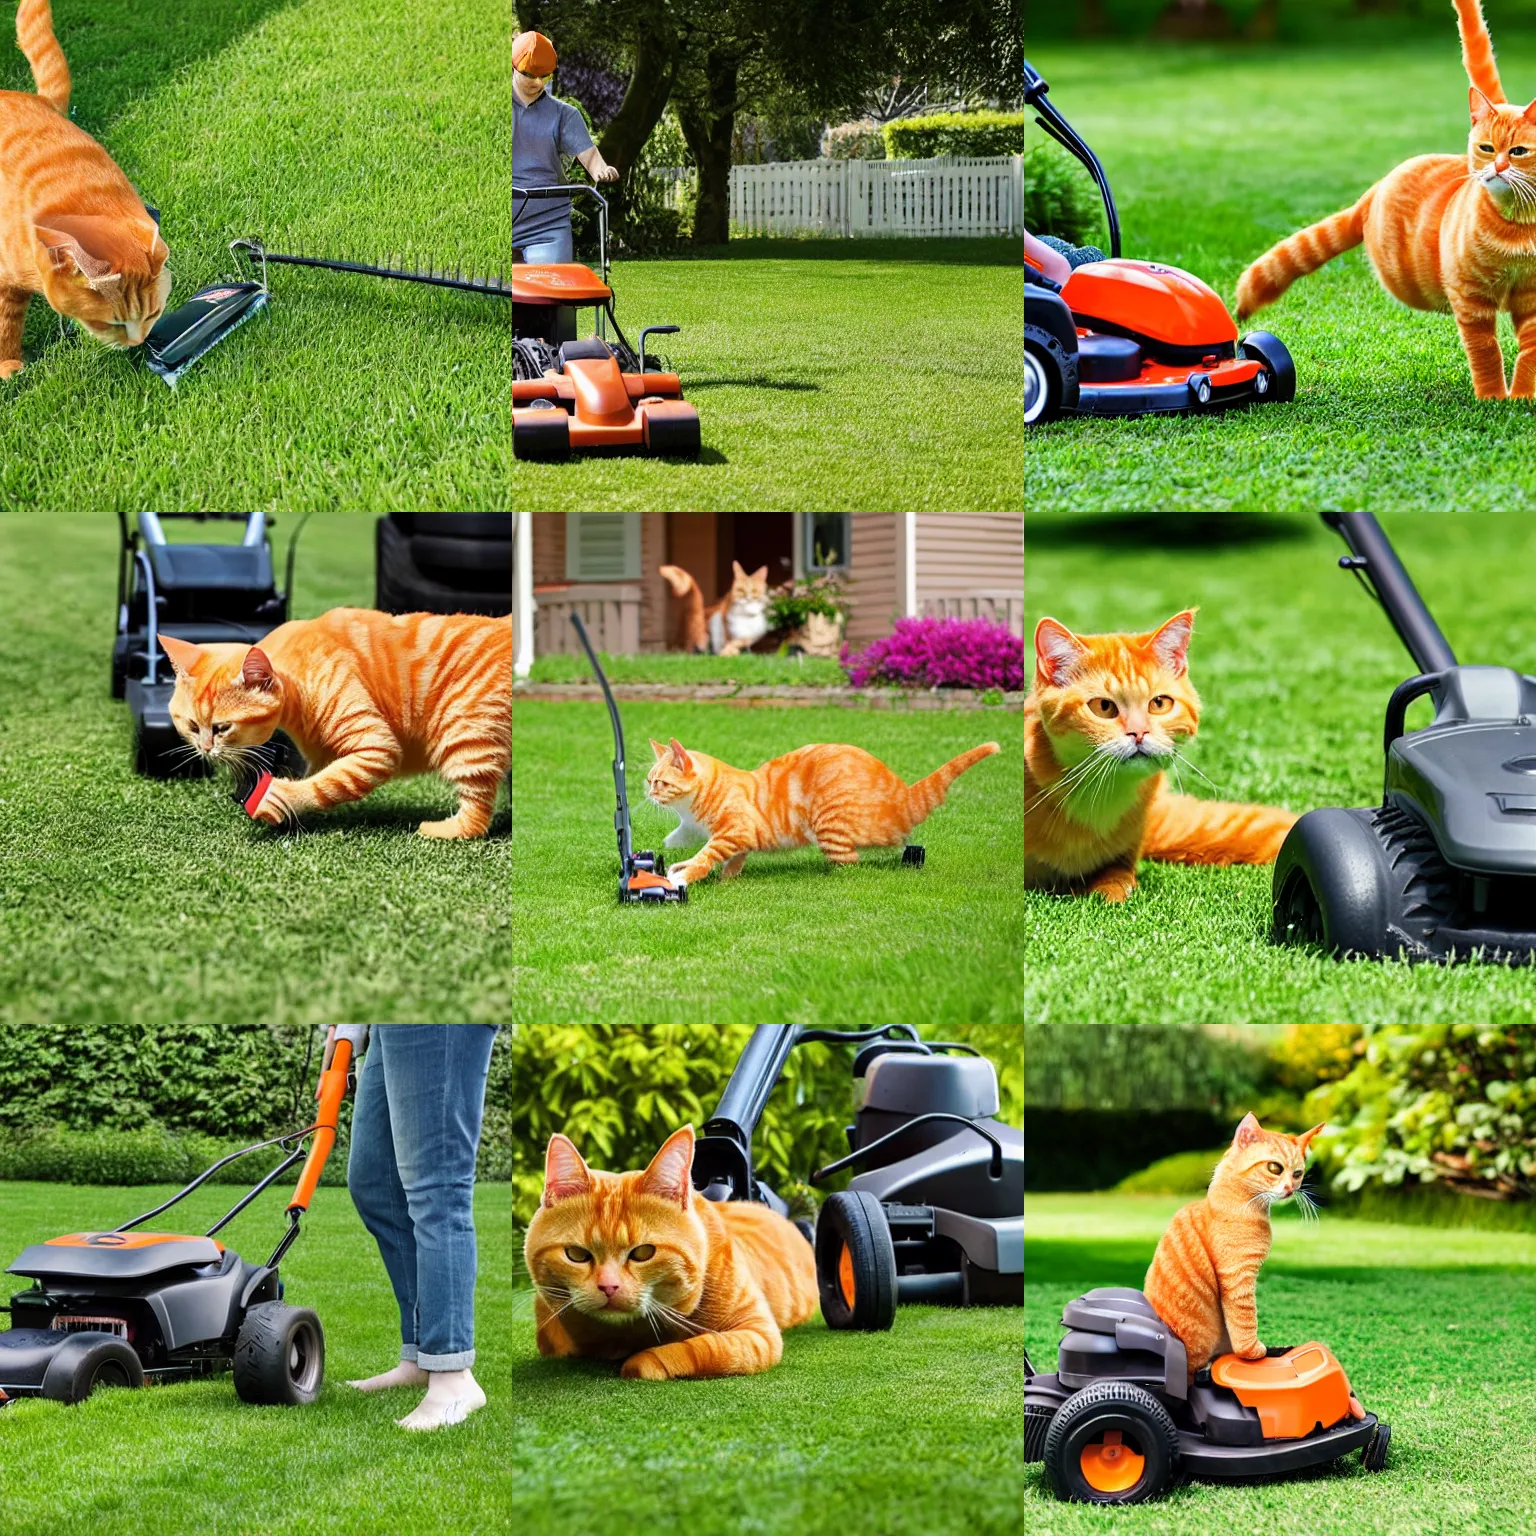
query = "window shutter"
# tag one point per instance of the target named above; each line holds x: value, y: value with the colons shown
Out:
x: 602, y: 546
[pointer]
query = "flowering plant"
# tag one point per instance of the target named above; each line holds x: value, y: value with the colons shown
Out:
x: 941, y: 653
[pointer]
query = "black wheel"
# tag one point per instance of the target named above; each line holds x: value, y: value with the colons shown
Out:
x: 279, y: 1355
x: 855, y: 1263
x: 1050, y: 377
x: 912, y: 855
x: 1112, y: 1443
x: 1278, y: 365
x: 86, y: 1361
x: 672, y: 437
x: 542, y: 436
x: 806, y: 1230
x: 1374, y: 1457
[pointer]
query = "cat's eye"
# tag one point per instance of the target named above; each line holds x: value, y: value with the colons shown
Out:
x: 1519, y: 149
x: 577, y: 1255
x: 1485, y: 149
x: 643, y: 1252
x: 1105, y: 709
x: 1161, y: 704
x: 222, y: 726
x: 1274, y: 1167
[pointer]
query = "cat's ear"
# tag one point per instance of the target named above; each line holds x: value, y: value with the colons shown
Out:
x: 760, y: 574
x: 1477, y: 103
x: 1170, y: 644
x: 565, y: 1174
x: 669, y: 1173
x: 257, y: 672
x: 67, y: 257
x: 1248, y: 1131
x: 660, y: 748
x: 184, y: 655
x: 737, y: 571
x: 1530, y: 113
x: 1304, y: 1140
x: 159, y: 252
x: 680, y: 756
x: 1057, y: 651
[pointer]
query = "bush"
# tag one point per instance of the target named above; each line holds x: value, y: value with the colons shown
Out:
x: 1140, y: 1068
x: 955, y: 133
x: 1059, y: 197
x: 1437, y: 1103
x: 941, y: 653
x: 152, y: 1155
x: 854, y: 141
x: 1185, y: 1173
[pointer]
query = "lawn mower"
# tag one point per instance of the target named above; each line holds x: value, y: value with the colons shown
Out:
x: 1130, y: 338
x: 1120, y: 1421
x: 589, y: 396
x: 937, y: 1213
x: 201, y: 593
x: 126, y: 1307
x: 1445, y: 867
x: 642, y: 876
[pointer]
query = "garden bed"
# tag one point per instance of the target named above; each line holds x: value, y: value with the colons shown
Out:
x: 783, y: 693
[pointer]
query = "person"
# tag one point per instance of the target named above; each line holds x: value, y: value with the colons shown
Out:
x: 544, y: 129
x: 411, y: 1173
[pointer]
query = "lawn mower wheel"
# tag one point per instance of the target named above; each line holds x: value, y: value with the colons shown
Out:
x: 855, y: 1263
x: 280, y: 1355
x: 90, y: 1360
x: 1112, y: 1443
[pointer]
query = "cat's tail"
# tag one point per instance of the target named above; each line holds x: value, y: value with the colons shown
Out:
x: 1182, y: 829
x: 1477, y: 49
x: 927, y: 794
x: 1305, y: 251
x: 686, y: 590
x: 34, y: 36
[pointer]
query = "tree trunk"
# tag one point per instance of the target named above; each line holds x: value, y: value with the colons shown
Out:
x: 645, y: 99
x: 708, y: 127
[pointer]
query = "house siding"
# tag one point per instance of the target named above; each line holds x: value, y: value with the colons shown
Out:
x: 872, y: 560
x: 548, y: 547
x: 972, y: 564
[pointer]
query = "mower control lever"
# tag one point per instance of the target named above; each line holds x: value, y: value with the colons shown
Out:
x: 994, y: 1169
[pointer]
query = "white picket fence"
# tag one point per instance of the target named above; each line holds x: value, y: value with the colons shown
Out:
x: 950, y: 195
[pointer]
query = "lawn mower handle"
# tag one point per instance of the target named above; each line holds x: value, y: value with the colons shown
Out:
x: 573, y: 189
x: 621, y: 800
x: 333, y: 1089
x: 1035, y: 89
x: 1371, y: 555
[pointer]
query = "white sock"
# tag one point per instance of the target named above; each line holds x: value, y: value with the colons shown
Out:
x: 451, y: 1397
x: 406, y: 1374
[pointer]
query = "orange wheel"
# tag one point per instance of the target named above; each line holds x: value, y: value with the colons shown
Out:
x: 1109, y: 1466
x: 845, y: 1276
x: 1111, y: 1443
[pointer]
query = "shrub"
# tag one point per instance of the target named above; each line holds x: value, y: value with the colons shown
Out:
x: 152, y: 1155
x: 1059, y: 198
x: 794, y: 602
x: 1447, y: 1103
x: 1139, y: 1068
x: 1184, y: 1173
x: 955, y: 133
x: 941, y: 653
x: 854, y: 141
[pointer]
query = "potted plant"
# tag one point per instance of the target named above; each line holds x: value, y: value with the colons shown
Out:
x: 813, y: 612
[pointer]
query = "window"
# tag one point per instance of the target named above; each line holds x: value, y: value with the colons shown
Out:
x: 827, y: 537
x: 602, y: 546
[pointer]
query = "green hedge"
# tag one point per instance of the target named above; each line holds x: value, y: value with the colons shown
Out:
x: 955, y: 133
x: 1059, y: 197
x: 1135, y: 1068
x: 619, y: 1090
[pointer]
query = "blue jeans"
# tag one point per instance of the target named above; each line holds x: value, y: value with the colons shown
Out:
x: 554, y: 247
x: 411, y: 1171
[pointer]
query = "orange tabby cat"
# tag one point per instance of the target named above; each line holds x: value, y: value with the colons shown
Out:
x: 726, y: 628
x: 366, y: 697
x: 1444, y: 231
x: 71, y: 226
x: 839, y: 798
x: 1105, y: 718
x: 1202, y: 1278
x: 640, y: 1267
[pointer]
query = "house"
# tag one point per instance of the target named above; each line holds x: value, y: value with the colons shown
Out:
x: 603, y: 565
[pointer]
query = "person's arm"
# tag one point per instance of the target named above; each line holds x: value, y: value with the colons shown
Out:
x: 356, y: 1033
x: 596, y: 167
x: 1049, y: 261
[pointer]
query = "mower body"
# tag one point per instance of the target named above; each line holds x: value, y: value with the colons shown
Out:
x: 201, y: 593
x: 1445, y: 867
x: 1119, y: 1421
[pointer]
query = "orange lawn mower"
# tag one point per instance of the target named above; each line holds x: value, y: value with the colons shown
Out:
x: 1132, y: 338
x: 592, y: 396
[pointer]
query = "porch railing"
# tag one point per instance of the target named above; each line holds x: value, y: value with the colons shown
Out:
x: 1000, y: 607
x: 609, y: 609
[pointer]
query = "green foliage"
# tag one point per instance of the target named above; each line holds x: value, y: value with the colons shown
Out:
x: 955, y: 133
x: 1449, y: 1103
x: 791, y: 604
x: 149, y: 1155
x: 1059, y: 198
x: 1140, y: 1067
x: 1184, y: 1173
x: 862, y: 140
x: 1309, y: 1054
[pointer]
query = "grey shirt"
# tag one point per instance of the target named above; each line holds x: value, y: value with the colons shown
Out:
x: 541, y: 134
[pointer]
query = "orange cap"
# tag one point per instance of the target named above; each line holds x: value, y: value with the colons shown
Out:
x: 533, y: 54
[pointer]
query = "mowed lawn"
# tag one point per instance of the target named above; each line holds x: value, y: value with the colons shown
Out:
x: 850, y: 376
x: 125, y: 899
x: 349, y: 130
x: 1215, y: 154
x: 1294, y: 665
x: 191, y: 1456
x: 1431, y: 1325
x: 915, y: 1432
x: 792, y: 938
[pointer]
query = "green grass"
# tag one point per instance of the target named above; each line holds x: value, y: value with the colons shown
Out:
x: 339, y: 127
x: 124, y: 899
x: 829, y: 375
x: 914, y: 1432
x: 1216, y: 154
x: 1294, y: 666
x: 791, y: 938
x: 1432, y: 1328
x: 191, y: 1456
x: 657, y: 667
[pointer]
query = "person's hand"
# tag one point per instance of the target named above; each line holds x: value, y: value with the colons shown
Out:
x: 596, y: 167
x: 330, y: 1051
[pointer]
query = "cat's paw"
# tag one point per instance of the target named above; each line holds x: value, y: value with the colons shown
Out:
x: 278, y: 805
x: 10, y: 368
x: 646, y: 1366
x: 1256, y: 1352
x: 1114, y: 888
x: 680, y: 874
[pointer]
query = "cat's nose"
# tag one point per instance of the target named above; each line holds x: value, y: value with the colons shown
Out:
x: 609, y: 1288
